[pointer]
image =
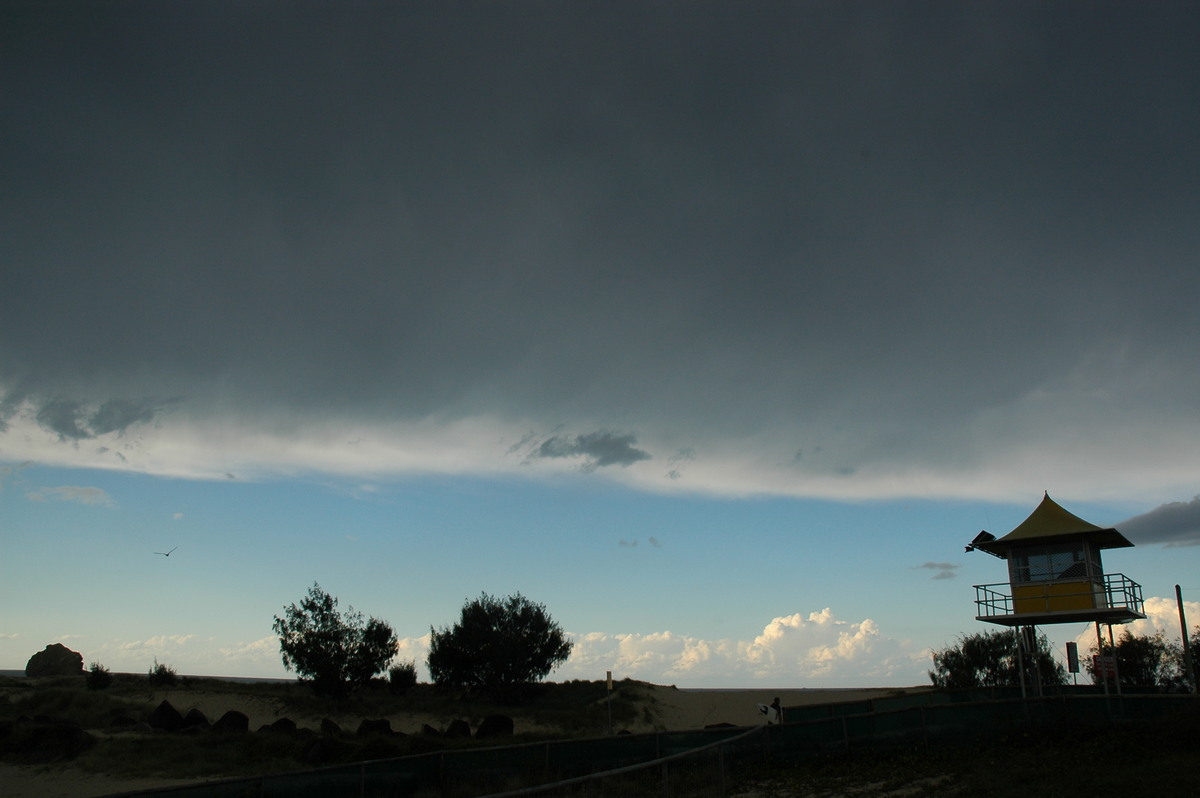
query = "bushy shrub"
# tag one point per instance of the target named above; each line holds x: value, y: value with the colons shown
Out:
x: 402, y: 677
x: 98, y: 677
x: 500, y: 646
x: 333, y: 651
x: 991, y: 659
x: 1149, y: 661
x: 162, y: 675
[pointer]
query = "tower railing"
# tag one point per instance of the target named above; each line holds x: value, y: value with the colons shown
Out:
x: 1112, y: 592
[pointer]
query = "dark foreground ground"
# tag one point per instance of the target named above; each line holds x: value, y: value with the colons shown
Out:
x: 1158, y: 759
x: 1127, y: 759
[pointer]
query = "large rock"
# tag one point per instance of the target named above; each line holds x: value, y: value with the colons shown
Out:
x: 232, y: 722
x: 55, y: 660
x: 165, y: 718
x: 370, y: 726
x: 495, y: 726
x: 458, y: 728
x: 195, y: 719
x: 285, y: 726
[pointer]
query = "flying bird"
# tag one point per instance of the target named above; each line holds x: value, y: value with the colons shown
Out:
x: 166, y: 553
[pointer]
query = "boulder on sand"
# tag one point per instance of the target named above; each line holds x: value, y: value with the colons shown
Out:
x: 495, y: 726
x: 370, y: 726
x: 231, y: 722
x: 55, y: 660
x: 165, y: 718
x: 280, y: 726
x: 457, y: 728
x: 195, y: 719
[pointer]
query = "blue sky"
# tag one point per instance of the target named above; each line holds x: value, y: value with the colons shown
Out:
x: 672, y: 575
x: 720, y: 333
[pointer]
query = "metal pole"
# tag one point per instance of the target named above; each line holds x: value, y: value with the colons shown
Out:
x: 1116, y: 668
x: 609, y: 681
x: 1189, y: 666
x: 1021, y: 663
x: 1099, y: 663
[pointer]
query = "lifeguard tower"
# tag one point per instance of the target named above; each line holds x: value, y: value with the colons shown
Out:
x: 1055, y: 575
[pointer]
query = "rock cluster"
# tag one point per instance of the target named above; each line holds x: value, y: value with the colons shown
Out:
x: 48, y: 739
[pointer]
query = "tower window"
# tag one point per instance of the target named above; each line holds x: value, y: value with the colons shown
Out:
x: 1052, y: 562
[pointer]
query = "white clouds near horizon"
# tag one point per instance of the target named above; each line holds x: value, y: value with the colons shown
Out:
x: 813, y: 650
x: 1162, y: 615
x: 803, y: 650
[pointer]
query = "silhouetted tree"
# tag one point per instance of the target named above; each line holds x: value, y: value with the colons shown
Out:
x: 499, y: 646
x: 990, y: 659
x: 1145, y: 661
x: 162, y: 675
x: 332, y: 650
x: 98, y: 677
x: 402, y: 677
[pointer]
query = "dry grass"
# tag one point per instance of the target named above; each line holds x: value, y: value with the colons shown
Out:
x: 1153, y: 758
x: 1142, y: 758
x: 570, y: 709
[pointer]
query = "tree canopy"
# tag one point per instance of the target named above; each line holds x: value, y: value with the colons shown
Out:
x: 990, y: 659
x: 1147, y: 661
x: 499, y: 646
x: 335, y: 651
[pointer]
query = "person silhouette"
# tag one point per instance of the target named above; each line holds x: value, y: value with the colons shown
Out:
x: 774, y: 712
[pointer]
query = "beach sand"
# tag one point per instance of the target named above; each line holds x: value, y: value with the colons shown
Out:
x: 672, y: 709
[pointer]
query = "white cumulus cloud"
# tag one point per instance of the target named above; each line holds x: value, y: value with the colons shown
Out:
x: 1162, y: 615
x: 817, y: 649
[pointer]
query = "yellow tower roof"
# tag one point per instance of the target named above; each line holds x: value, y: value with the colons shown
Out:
x: 1048, y: 521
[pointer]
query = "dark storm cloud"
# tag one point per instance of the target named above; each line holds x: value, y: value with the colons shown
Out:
x: 63, y: 417
x: 72, y: 420
x: 598, y: 449
x: 1175, y: 524
x: 852, y: 228
x: 117, y: 415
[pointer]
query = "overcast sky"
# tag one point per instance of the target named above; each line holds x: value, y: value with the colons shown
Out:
x: 838, y: 252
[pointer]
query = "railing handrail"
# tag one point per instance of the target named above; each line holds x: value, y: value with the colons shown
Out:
x: 998, y: 598
x: 1104, y: 578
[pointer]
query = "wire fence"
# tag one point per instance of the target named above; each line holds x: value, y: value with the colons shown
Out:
x: 679, y: 756
x: 699, y: 763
